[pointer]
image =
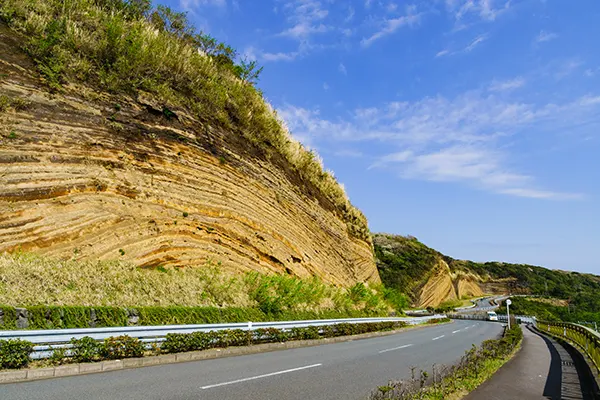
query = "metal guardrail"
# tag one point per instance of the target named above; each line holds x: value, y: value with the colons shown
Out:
x: 46, y: 340
x: 587, y: 339
x: 501, y: 317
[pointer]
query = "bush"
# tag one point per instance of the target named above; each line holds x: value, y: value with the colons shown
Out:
x: 118, y: 347
x: 15, y: 353
x: 85, y: 349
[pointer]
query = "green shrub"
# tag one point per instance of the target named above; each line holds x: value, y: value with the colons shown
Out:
x: 15, y: 353
x: 85, y: 349
x: 118, y: 347
x: 58, y: 356
x: 179, y: 342
x: 308, y: 333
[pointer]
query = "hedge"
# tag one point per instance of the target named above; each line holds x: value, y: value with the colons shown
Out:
x: 65, y: 317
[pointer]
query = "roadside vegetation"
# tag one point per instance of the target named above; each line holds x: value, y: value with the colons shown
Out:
x: 15, y: 353
x: 129, y: 48
x: 75, y: 294
x: 453, y: 382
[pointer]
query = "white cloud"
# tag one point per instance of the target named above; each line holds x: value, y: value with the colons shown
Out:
x: 566, y: 68
x: 487, y: 10
x: 545, y: 37
x: 191, y: 5
x: 461, y: 139
x: 252, y: 54
x: 476, y: 42
x: 303, y: 30
x: 502, y: 86
x: 306, y: 18
x: 467, y: 49
x: 342, y: 69
x: 391, y: 25
x: 325, y: 86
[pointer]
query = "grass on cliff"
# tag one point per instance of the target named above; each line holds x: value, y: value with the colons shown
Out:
x: 27, y: 280
x: 127, y: 47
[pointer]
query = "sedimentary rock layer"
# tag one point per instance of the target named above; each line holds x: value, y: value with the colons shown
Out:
x: 84, y: 177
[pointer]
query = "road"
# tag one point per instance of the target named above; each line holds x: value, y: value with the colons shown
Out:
x: 346, y: 370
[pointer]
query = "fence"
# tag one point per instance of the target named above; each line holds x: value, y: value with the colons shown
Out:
x: 585, y: 338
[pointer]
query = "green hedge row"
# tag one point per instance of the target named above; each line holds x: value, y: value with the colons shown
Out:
x: 65, y: 317
x: 15, y: 353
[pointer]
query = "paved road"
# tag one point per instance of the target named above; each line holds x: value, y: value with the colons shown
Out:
x: 348, y: 370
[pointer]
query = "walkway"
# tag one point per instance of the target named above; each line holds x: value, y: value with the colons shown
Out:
x: 542, y: 369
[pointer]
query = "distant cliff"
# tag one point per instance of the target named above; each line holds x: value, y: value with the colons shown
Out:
x: 429, y: 277
x: 91, y: 170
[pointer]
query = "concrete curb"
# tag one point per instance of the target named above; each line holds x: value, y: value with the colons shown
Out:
x: 114, y: 365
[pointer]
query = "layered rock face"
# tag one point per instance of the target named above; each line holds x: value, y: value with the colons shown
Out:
x: 84, y: 176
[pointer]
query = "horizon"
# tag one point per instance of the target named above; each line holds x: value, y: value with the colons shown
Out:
x: 469, y: 124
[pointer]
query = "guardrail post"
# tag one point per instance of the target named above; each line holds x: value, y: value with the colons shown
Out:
x: 249, y: 325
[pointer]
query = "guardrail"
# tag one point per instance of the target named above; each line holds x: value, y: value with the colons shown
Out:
x: 501, y: 317
x: 46, y: 340
x: 587, y: 339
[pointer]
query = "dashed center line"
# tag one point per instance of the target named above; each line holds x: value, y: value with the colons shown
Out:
x: 395, y: 348
x: 439, y: 337
x: 457, y: 331
x: 260, y: 376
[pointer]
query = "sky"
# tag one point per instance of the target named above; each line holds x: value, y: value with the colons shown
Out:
x: 473, y: 125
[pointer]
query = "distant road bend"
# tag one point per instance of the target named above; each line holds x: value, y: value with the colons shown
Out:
x: 346, y: 370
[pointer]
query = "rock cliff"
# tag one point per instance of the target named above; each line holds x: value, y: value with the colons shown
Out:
x: 87, y: 175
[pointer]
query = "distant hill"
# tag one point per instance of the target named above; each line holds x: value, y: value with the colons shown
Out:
x: 429, y: 277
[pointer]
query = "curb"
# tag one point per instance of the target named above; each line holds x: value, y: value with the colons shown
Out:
x: 32, y: 374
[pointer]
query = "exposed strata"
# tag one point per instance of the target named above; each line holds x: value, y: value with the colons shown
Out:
x: 83, y: 177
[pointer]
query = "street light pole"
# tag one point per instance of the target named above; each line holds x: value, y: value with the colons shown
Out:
x: 508, y: 303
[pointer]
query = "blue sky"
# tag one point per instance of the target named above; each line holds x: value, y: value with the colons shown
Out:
x: 473, y: 125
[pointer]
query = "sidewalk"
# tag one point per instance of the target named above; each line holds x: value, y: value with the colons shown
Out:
x: 542, y: 369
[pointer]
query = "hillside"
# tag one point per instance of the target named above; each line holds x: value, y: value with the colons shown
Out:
x: 429, y: 277
x: 125, y: 135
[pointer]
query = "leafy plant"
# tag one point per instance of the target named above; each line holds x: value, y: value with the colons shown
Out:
x: 85, y: 349
x: 119, y: 347
x: 15, y: 353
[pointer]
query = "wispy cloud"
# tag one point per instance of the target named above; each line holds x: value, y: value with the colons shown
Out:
x: 545, y: 37
x: 566, y: 68
x: 487, y: 10
x: 467, y: 49
x: 390, y: 25
x: 306, y: 18
x: 462, y: 139
x: 325, y: 86
x: 342, y: 69
x: 476, y: 42
x: 253, y: 53
x: 511, y: 84
x: 191, y: 5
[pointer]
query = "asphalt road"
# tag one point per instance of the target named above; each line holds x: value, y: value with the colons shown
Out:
x: 347, y: 370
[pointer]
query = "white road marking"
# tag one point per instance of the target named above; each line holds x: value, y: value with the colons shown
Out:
x: 395, y: 348
x: 261, y: 376
x: 439, y: 337
x: 457, y: 331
